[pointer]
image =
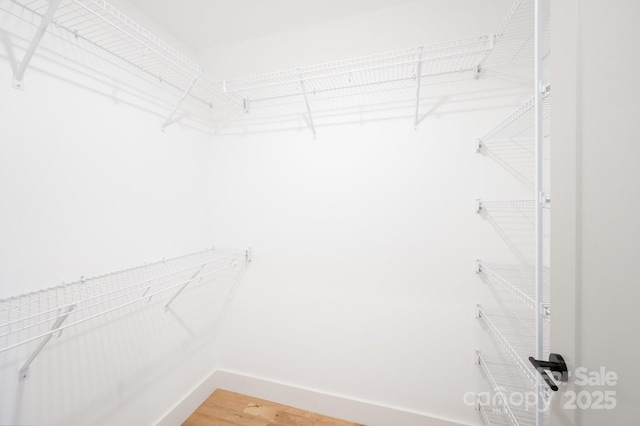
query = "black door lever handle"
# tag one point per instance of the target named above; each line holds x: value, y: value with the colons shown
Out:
x: 555, y: 364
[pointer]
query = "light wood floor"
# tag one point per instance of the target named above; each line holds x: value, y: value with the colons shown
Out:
x: 224, y: 408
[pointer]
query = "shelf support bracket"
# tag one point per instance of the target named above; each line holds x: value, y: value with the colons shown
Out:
x: 306, y: 101
x: 18, y: 75
x: 194, y: 81
x: 24, y: 370
x: 418, y: 81
x: 189, y: 281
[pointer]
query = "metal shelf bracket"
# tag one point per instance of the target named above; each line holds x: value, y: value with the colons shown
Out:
x: 189, y: 281
x: 24, y: 370
x: 546, y: 311
x: 306, y: 101
x: 418, y: 80
x: 194, y: 81
x: 18, y: 76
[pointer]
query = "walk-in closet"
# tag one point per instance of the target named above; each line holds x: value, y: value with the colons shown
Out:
x: 288, y: 212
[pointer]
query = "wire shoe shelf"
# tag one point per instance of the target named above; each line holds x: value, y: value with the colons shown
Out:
x: 504, y: 204
x: 41, y: 315
x: 515, y: 341
x: 520, y: 47
x: 518, y: 124
x: 522, y: 294
x: 503, y: 408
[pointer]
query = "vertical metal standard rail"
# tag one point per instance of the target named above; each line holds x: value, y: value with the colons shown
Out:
x: 18, y: 76
x: 194, y: 81
x: 306, y: 101
x: 24, y: 371
x: 540, y: 203
x: 418, y: 79
x: 193, y: 277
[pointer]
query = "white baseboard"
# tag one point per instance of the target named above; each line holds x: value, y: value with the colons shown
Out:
x: 363, y: 412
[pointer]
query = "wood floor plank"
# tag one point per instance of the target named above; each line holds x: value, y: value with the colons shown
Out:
x: 225, y: 408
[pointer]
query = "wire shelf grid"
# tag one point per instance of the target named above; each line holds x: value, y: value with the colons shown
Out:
x: 505, y: 204
x: 101, y: 25
x: 34, y: 316
x: 517, y: 338
x: 523, y: 294
x: 520, y: 123
x: 406, y: 65
x: 493, y: 416
x: 514, y: 41
x: 512, y: 406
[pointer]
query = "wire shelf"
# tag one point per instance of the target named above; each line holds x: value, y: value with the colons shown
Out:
x: 520, y: 123
x: 504, y: 204
x: 518, y: 281
x: 40, y: 315
x: 517, y: 338
x: 514, y: 41
x: 522, y: 294
x: 493, y: 416
x: 405, y: 65
x: 512, y: 402
x: 98, y: 24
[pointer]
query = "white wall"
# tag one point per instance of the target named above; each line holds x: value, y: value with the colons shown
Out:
x: 362, y: 283
x: 89, y: 185
x: 407, y: 25
x: 596, y: 229
x: 365, y: 238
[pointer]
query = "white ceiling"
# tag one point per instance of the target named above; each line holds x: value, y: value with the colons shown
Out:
x: 200, y: 24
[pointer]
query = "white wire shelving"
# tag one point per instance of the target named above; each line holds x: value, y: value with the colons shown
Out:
x: 516, y: 337
x: 517, y: 281
x: 407, y: 65
x: 520, y: 48
x: 519, y: 124
x: 405, y: 68
x: 493, y: 416
x: 97, y: 24
x: 514, y: 40
x: 482, y: 205
x: 511, y: 402
x: 522, y: 293
x: 38, y: 316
